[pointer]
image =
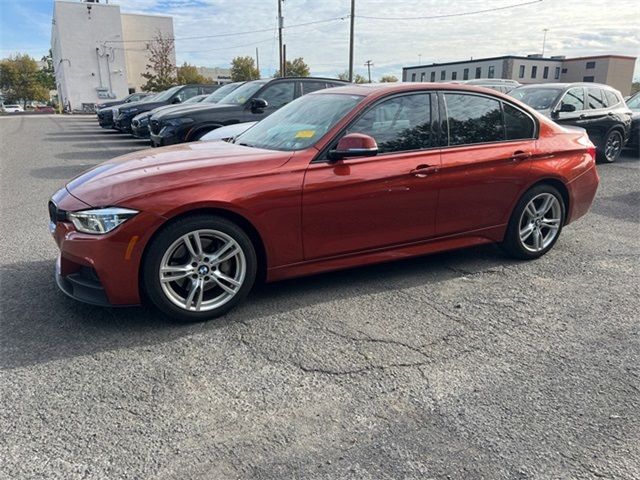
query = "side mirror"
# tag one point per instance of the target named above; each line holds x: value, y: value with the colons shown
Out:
x: 354, y: 145
x: 176, y: 100
x: 258, y: 105
x: 567, y: 107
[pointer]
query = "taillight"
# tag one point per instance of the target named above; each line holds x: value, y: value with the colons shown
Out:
x: 592, y: 151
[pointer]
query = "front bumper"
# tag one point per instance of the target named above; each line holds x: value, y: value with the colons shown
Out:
x: 166, y: 136
x: 99, y: 269
x: 140, y: 131
x: 123, y: 123
x: 105, y: 120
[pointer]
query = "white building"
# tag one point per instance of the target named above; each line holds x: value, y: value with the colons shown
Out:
x: 97, y: 52
x: 613, y: 70
x: 216, y: 74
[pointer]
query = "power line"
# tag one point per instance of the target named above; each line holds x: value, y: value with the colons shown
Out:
x: 448, y: 15
x: 199, y: 37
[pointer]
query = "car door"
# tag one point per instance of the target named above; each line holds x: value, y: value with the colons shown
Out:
x: 597, y: 120
x: 574, y: 97
x: 365, y: 203
x: 485, y: 161
x: 277, y: 94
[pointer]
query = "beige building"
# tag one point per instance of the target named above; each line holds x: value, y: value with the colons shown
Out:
x: 216, y: 74
x: 98, y: 52
x: 613, y: 70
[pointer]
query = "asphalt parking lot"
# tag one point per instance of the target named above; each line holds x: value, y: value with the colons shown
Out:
x: 459, y: 365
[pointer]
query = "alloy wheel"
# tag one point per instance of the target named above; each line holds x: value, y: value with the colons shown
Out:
x: 540, y: 222
x: 202, y: 270
x: 613, y: 146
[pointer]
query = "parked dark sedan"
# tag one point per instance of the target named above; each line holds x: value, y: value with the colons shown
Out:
x: 104, y: 110
x: 597, y: 108
x: 634, y: 137
x: 140, y: 123
x: 174, y: 95
x: 251, y: 102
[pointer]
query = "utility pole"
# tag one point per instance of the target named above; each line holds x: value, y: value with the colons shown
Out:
x: 353, y: 12
x: 544, y: 40
x: 257, y: 61
x: 280, y: 25
x: 368, y: 64
x: 284, y: 61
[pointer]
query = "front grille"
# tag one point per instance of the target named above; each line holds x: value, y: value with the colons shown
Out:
x: 154, y: 126
x: 55, y: 214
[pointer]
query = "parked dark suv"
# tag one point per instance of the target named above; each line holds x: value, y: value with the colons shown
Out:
x: 104, y: 110
x: 597, y: 108
x: 174, y: 95
x: 252, y: 101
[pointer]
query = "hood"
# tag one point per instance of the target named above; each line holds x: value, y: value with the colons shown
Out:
x: 185, y: 110
x: 176, y: 167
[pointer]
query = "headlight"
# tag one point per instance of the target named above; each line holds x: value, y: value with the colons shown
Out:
x: 129, y: 111
x: 143, y: 120
x: 101, y: 220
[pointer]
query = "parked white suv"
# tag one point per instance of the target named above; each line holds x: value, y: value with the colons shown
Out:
x: 12, y: 108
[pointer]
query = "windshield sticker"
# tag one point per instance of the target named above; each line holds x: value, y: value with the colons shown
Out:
x: 305, y: 134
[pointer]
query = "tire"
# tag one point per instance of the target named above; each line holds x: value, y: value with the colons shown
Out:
x: 527, y: 225
x: 206, y: 283
x: 611, y: 148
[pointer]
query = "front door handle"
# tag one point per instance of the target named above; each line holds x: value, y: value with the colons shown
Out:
x: 422, y: 171
x: 520, y: 155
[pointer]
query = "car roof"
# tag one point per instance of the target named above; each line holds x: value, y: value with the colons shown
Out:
x: 566, y: 85
x: 381, y: 89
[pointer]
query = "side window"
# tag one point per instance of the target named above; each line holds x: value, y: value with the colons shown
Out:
x: 398, y: 124
x: 575, y: 97
x: 517, y: 123
x: 308, y: 87
x: 209, y: 89
x: 278, y: 94
x: 473, y: 119
x: 594, y: 98
x: 186, y: 93
x: 612, y: 98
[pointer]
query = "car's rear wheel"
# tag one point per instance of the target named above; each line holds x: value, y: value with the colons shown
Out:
x: 535, y: 223
x: 612, y: 147
x: 199, y: 268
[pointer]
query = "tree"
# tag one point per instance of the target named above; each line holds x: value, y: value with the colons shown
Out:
x: 389, y: 79
x: 161, y: 71
x: 188, y: 74
x: 46, y: 74
x: 244, y: 69
x: 357, y: 78
x: 19, y: 80
x: 296, y: 68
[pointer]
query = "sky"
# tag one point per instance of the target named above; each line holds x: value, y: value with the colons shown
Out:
x: 396, y: 37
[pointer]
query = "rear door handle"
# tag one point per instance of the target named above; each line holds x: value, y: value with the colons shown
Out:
x: 422, y: 171
x: 520, y: 155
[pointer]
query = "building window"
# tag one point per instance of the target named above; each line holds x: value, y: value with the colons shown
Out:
x: 534, y: 71
x: 588, y: 79
x: 564, y: 70
x: 557, y: 75
x: 413, y: 77
x: 433, y: 76
x: 492, y: 71
x: 465, y: 74
x: 454, y: 75
x: 521, y: 73
x: 591, y: 65
x: 478, y: 72
x: 545, y: 72
x: 422, y: 76
x: 443, y: 74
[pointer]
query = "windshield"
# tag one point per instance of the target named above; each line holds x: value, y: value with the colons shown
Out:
x: 196, y: 99
x: 241, y: 94
x: 634, y: 102
x: 167, y: 94
x: 220, y: 93
x: 301, y: 123
x: 538, y: 98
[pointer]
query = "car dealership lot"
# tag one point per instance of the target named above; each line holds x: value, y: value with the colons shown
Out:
x: 464, y: 364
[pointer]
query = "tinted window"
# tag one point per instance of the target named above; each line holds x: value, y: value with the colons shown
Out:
x: 534, y: 71
x: 308, y: 87
x: 594, y: 98
x: 557, y: 74
x: 521, y: 73
x: 517, y: 123
x: 186, y: 93
x: 442, y: 75
x: 422, y: 75
x: 538, y: 98
x: 278, y: 94
x: 433, y: 76
x: 209, y: 89
x: 612, y: 98
x: 413, y: 77
x: 473, y: 119
x: 465, y: 74
x: 398, y: 124
x: 588, y: 79
x: 478, y: 72
x: 454, y: 75
x: 492, y: 71
x: 575, y: 97
x: 545, y: 72
x: 591, y: 65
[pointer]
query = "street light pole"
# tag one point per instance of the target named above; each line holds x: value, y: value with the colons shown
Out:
x: 544, y: 40
x: 368, y: 64
x: 353, y: 11
x: 280, y: 24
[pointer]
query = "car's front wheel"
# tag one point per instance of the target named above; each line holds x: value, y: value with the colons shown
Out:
x: 199, y: 268
x: 535, y: 223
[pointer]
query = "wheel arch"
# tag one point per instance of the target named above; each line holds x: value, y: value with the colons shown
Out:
x: 561, y: 187
x: 201, y: 129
